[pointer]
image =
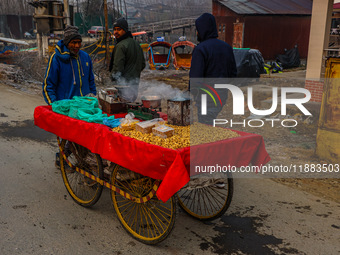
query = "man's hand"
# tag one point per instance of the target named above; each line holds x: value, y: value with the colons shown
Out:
x: 90, y: 95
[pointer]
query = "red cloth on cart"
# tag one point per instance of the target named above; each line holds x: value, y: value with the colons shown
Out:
x: 170, y: 166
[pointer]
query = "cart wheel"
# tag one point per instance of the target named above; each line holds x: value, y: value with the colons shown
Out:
x: 150, y: 222
x: 207, y: 203
x: 82, y: 189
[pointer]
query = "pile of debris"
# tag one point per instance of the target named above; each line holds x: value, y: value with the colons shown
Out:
x: 18, y: 78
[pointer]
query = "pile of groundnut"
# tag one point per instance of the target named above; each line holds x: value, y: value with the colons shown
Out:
x: 194, y: 134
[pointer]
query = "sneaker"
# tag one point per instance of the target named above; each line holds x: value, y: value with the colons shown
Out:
x: 57, y: 160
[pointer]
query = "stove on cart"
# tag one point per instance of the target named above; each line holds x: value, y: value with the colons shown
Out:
x: 142, y: 112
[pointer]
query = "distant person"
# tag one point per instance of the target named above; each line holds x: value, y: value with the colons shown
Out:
x: 211, y: 58
x: 68, y: 73
x: 127, y: 61
x: 69, y: 70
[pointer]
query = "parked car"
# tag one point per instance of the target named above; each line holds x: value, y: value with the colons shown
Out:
x: 95, y: 31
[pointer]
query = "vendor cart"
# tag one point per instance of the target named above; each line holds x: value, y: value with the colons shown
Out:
x: 144, y: 178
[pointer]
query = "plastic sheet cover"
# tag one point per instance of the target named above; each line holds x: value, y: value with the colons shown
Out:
x: 170, y: 166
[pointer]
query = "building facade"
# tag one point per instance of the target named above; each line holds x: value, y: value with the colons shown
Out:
x: 265, y: 25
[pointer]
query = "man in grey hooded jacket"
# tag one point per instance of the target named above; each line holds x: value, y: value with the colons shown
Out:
x: 211, y: 59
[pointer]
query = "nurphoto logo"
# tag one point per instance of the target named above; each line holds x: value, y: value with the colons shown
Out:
x: 239, y: 105
x: 204, y: 98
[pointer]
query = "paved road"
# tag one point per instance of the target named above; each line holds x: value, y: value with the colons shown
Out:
x: 37, y: 216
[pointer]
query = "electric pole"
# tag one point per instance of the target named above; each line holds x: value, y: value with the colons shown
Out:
x: 67, y: 13
x: 107, y: 35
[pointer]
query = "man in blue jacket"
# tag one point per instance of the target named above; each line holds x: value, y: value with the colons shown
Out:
x: 211, y: 58
x: 69, y: 70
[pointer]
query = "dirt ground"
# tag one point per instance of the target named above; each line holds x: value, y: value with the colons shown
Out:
x: 284, y: 145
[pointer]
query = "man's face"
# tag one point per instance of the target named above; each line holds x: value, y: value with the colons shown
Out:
x: 118, y: 32
x: 74, y: 46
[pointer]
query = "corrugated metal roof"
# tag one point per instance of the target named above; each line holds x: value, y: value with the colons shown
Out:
x: 269, y: 6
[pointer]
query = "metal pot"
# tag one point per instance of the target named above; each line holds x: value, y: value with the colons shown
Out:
x: 151, y: 101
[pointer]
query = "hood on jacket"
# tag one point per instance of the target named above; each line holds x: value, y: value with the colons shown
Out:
x: 206, y: 26
x: 62, y: 51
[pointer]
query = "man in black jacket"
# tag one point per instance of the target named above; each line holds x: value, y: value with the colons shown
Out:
x: 211, y: 58
x: 127, y: 61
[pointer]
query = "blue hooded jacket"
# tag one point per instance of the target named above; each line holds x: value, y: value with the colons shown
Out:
x: 67, y: 76
x: 212, y: 58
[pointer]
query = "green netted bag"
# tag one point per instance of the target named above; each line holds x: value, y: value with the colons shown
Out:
x: 81, y: 102
x: 74, y: 106
x: 83, y: 108
x: 87, y: 101
x: 91, y: 115
x: 62, y: 106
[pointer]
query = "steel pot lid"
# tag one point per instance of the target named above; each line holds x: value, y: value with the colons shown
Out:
x: 179, y: 99
x: 149, y: 98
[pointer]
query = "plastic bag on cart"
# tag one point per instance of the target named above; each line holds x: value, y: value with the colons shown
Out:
x: 111, y: 122
x: 163, y: 130
x: 146, y: 126
x: 129, y: 122
x: 96, y: 115
x: 82, y: 102
x: 91, y: 115
x: 74, y: 107
x: 91, y: 102
x: 62, y: 106
x: 84, y: 108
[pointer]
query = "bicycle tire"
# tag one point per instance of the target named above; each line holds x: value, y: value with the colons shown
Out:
x: 207, y: 203
x: 83, y: 190
x: 150, y: 222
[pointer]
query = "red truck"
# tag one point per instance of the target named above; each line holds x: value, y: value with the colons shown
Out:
x: 95, y: 31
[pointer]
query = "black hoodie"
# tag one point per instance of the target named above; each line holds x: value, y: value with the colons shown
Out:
x: 212, y: 58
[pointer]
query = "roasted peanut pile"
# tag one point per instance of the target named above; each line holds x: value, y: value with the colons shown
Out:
x: 200, y: 133
x: 184, y: 136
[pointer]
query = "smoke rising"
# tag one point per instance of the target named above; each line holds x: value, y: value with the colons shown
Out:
x: 165, y: 91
